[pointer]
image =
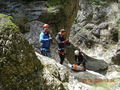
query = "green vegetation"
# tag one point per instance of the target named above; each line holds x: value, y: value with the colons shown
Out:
x: 61, y: 3
x: 54, y: 5
x: 6, y: 17
x: 8, y: 26
x: 52, y: 9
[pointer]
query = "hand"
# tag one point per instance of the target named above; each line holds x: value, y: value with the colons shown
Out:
x: 65, y: 41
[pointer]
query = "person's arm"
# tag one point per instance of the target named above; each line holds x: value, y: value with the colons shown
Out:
x: 82, y: 54
x: 58, y: 39
x: 84, y: 60
x: 51, y: 39
x: 65, y: 41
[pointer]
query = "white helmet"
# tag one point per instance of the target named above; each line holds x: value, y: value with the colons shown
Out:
x: 76, y: 52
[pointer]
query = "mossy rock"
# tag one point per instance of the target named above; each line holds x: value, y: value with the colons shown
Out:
x: 19, y: 66
x: 8, y: 18
x: 8, y: 26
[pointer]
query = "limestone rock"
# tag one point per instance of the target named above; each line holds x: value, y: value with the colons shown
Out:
x: 63, y: 78
x: 19, y: 66
x: 98, y: 37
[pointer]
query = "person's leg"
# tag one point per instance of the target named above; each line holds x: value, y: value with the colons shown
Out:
x: 43, y: 52
x: 84, y: 65
x: 62, y: 57
x: 48, y: 54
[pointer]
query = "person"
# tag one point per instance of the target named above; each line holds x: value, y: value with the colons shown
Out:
x: 45, y: 41
x: 79, y: 58
x: 61, y: 41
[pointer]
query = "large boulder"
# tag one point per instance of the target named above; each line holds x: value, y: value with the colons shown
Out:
x: 96, y: 65
x: 56, y: 76
x: 19, y: 66
x: 63, y: 78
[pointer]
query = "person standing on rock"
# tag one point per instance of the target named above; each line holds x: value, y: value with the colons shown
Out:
x: 45, y: 41
x: 61, y: 42
x: 79, y: 58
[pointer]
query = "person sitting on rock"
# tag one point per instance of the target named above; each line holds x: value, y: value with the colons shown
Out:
x: 61, y: 41
x: 45, y: 41
x: 79, y: 58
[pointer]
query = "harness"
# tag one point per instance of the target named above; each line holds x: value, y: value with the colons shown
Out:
x: 61, y: 51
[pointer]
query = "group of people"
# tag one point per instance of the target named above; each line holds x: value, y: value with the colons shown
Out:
x: 45, y: 40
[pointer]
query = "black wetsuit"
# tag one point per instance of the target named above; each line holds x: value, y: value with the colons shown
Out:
x: 80, y: 60
x: 61, y: 47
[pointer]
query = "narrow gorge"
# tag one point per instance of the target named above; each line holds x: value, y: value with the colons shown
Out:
x: 93, y: 26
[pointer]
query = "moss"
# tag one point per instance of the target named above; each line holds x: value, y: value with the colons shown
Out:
x: 6, y: 17
x: 118, y: 27
x: 19, y: 67
x: 8, y: 26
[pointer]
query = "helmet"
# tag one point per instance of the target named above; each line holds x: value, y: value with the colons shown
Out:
x: 45, y: 25
x: 62, y: 30
x: 76, y: 52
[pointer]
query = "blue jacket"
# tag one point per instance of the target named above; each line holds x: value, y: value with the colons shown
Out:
x: 45, y: 40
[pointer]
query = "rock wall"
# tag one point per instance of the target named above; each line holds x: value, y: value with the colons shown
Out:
x: 95, y: 30
x: 58, y: 13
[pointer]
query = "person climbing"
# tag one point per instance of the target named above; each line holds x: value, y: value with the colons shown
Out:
x: 61, y: 41
x: 45, y: 41
x: 79, y: 58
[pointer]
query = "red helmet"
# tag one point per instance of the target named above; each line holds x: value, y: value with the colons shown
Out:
x: 45, y: 25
